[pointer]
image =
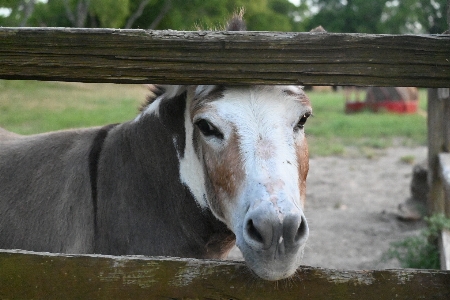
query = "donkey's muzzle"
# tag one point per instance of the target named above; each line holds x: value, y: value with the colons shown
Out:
x: 267, y: 228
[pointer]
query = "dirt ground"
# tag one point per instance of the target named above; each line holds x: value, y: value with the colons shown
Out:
x: 352, y: 206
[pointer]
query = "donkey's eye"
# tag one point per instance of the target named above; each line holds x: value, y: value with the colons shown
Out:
x: 208, y: 129
x: 302, y: 121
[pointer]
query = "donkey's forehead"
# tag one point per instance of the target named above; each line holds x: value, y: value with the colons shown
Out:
x: 282, y: 95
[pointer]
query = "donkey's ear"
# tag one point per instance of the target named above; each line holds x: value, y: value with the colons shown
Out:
x: 318, y: 29
x: 202, y: 91
x: 237, y: 23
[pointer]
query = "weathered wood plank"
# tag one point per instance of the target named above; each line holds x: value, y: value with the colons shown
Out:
x: 435, y: 126
x: 173, y: 57
x: 26, y: 275
x: 444, y: 94
x: 444, y: 249
x: 444, y: 170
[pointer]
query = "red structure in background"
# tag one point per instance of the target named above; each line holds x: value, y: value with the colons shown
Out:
x: 401, y: 100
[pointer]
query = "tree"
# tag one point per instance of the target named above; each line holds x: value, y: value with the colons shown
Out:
x: 20, y: 12
x: 137, y: 13
x: 279, y: 15
x: 382, y: 16
x: 76, y: 12
x: 415, y: 16
x: 348, y: 16
x: 110, y: 13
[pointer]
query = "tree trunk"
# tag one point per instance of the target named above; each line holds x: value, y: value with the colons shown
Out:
x: 167, y: 6
x: 79, y: 18
x: 28, y: 11
x: 136, y: 14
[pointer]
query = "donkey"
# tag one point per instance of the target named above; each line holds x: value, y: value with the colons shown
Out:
x: 199, y: 169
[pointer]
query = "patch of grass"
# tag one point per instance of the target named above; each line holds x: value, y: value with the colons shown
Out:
x: 28, y: 107
x: 330, y: 131
x: 420, y: 252
x: 408, y: 159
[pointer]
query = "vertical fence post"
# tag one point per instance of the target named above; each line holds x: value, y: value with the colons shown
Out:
x: 435, y: 146
x: 444, y: 95
x: 438, y: 141
x: 443, y: 181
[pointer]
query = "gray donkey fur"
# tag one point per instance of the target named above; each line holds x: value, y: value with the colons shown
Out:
x: 111, y: 190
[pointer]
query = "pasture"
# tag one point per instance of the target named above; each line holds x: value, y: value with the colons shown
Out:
x: 28, y: 107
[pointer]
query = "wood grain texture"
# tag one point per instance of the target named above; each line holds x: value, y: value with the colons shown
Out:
x: 444, y: 172
x: 176, y: 57
x: 27, y: 275
x: 444, y: 242
x: 444, y: 249
x: 435, y: 127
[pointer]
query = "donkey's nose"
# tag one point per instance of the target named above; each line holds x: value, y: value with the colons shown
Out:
x: 264, y: 230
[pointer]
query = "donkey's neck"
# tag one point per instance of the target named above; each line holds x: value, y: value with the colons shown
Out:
x: 143, y: 207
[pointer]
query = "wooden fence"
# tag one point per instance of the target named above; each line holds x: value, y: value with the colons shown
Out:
x: 172, y: 57
x: 25, y: 275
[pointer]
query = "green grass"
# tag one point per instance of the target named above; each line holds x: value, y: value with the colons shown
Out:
x: 420, y: 252
x: 331, y: 132
x: 28, y: 107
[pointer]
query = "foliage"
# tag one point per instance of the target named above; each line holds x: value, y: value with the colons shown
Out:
x: 420, y: 252
x: 348, y: 16
x: 279, y: 15
x: 111, y: 13
x: 416, y: 16
x: 275, y: 15
x: 19, y: 12
x: 382, y: 16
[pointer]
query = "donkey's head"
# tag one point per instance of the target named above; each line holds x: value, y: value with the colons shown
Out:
x: 246, y: 160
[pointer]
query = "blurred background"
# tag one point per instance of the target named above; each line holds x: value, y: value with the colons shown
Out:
x: 352, y: 16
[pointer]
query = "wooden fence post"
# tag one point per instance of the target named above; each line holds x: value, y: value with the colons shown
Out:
x: 439, y: 141
x: 444, y: 95
x: 435, y: 146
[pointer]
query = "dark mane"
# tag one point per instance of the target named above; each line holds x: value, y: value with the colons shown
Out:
x: 237, y: 23
x: 155, y: 92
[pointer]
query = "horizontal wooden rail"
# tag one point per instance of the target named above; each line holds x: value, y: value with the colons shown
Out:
x: 175, y: 57
x: 27, y: 275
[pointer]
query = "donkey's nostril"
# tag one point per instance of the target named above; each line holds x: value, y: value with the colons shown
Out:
x: 295, y: 230
x: 253, y: 232
x: 302, y: 231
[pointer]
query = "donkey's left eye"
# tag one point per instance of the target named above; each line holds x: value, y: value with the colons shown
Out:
x: 301, y: 123
x: 208, y: 129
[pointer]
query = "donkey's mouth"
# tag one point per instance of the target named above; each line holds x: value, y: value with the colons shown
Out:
x: 265, y: 266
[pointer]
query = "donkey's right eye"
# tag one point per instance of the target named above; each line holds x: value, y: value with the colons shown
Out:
x: 208, y: 129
